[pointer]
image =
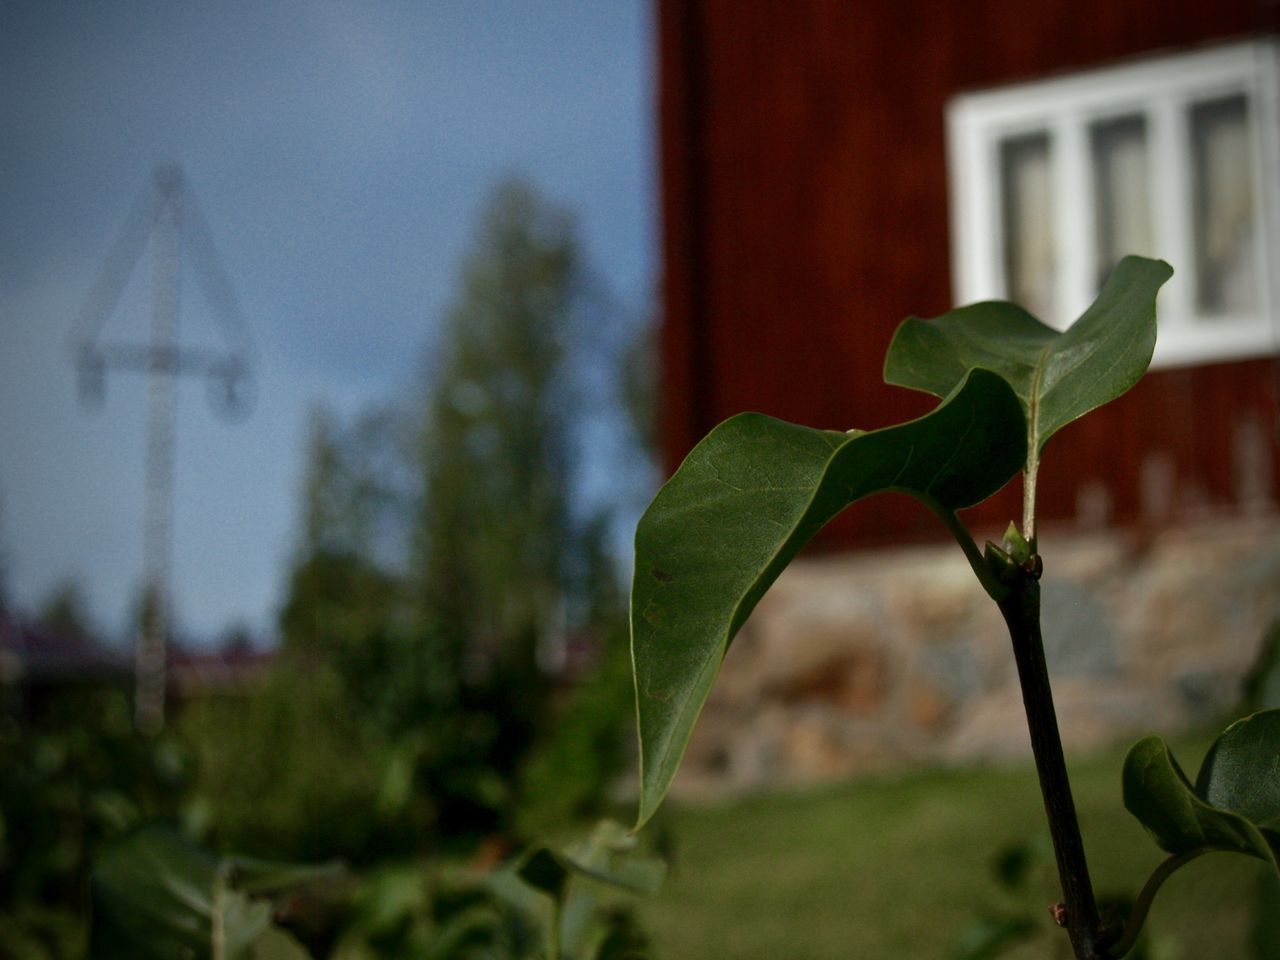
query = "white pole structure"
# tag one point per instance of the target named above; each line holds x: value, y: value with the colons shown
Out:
x: 153, y: 640
x: 169, y: 217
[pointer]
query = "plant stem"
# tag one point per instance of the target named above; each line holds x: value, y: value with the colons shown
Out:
x: 557, y: 921
x: 1138, y: 916
x: 1021, y: 611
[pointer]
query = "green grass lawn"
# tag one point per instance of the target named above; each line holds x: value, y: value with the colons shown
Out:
x: 899, y: 868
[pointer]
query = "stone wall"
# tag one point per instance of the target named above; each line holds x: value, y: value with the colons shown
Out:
x: 867, y: 662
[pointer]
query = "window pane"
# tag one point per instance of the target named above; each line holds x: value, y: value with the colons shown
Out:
x: 1225, y: 231
x: 1027, y: 214
x: 1122, y: 198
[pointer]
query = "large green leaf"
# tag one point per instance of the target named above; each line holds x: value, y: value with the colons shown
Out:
x: 156, y: 896
x: 741, y: 506
x: 1058, y: 376
x: 1235, y: 803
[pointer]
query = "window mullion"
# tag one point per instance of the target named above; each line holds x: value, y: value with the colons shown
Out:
x: 1265, y: 95
x: 1074, y: 215
x: 1171, y: 207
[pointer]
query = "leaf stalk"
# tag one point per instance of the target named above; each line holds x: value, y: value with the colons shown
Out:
x: 977, y: 562
x: 557, y: 922
x: 1029, y: 477
x: 1138, y: 916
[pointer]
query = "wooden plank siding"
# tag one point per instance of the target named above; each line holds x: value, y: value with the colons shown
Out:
x: 804, y: 189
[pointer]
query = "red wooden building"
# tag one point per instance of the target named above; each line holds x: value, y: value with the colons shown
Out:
x: 829, y: 167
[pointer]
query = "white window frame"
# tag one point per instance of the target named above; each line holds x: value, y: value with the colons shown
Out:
x: 1161, y: 89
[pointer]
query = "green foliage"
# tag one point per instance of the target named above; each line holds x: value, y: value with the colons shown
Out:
x: 383, y: 757
x: 1058, y: 376
x: 288, y: 770
x: 65, y: 613
x: 493, y: 526
x: 440, y: 561
x: 755, y: 490
x: 606, y: 856
x: 443, y: 911
x: 336, y: 601
x: 350, y: 495
x: 1235, y: 803
x: 742, y: 505
x: 567, y: 774
x: 156, y: 896
x: 74, y: 775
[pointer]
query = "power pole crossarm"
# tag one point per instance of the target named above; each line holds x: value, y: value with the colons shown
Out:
x: 163, y: 215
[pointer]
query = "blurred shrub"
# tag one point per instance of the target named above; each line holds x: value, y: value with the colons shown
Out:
x: 570, y: 769
x: 73, y: 776
x: 444, y: 910
x: 369, y: 754
x: 285, y: 771
x: 440, y: 560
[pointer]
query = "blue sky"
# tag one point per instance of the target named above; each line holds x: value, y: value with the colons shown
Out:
x: 340, y: 153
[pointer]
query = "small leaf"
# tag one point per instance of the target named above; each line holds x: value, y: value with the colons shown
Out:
x: 278, y: 944
x: 1015, y: 544
x: 153, y: 897
x: 241, y: 923
x: 1235, y: 805
x: 1058, y: 376
x: 267, y: 876
x: 741, y: 506
x: 157, y: 896
x: 607, y: 857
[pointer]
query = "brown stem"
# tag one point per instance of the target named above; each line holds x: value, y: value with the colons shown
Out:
x: 1021, y: 610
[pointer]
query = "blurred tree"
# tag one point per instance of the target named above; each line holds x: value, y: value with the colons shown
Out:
x: 513, y: 566
x: 493, y: 531
x: 443, y: 650
x: 64, y: 612
x: 341, y: 591
x: 355, y: 489
x: 495, y: 538
x: 639, y: 388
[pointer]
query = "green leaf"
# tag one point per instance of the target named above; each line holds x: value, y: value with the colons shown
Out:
x: 156, y: 896
x: 278, y: 944
x: 543, y: 869
x: 607, y: 857
x: 741, y: 506
x: 267, y: 876
x: 1235, y: 803
x: 1241, y: 771
x: 1058, y: 376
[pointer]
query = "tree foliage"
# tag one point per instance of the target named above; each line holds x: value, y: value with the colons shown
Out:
x: 493, y: 521
x: 442, y: 564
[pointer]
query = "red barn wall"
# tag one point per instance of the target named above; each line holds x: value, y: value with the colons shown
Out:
x: 805, y: 214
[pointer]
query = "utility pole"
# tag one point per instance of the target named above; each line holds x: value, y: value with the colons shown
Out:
x: 167, y: 215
